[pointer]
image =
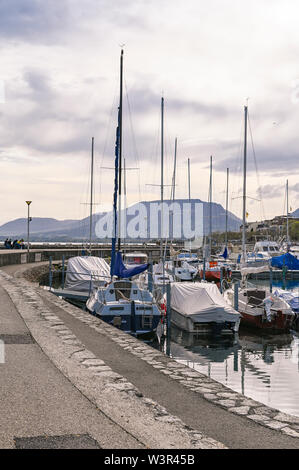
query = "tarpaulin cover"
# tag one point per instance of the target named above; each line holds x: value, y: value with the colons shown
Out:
x: 255, y: 270
x: 121, y: 271
x: 201, y: 299
x: 83, y: 272
x: 286, y: 260
x: 290, y: 297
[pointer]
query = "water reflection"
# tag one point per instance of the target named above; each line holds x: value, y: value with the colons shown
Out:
x: 265, y: 368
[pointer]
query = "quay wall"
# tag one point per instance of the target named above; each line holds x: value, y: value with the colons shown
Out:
x: 10, y: 257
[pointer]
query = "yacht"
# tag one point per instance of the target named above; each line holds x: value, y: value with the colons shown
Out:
x: 259, y: 308
x: 200, y: 308
x: 125, y: 305
x: 264, y: 251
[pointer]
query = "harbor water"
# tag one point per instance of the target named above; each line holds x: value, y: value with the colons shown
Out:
x: 262, y: 367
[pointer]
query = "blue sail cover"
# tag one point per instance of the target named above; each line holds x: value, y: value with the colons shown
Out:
x: 225, y: 253
x: 121, y: 271
x: 286, y: 260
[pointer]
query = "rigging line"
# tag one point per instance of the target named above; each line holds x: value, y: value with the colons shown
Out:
x: 107, y: 133
x: 235, y: 180
x: 257, y: 173
x: 133, y: 137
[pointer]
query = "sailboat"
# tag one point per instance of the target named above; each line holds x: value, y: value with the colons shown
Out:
x: 212, y: 270
x: 122, y: 303
x: 258, y: 307
x: 183, y: 264
x: 86, y: 272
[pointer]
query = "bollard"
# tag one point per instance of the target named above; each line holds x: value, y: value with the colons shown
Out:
x: 236, y: 296
x: 168, y: 318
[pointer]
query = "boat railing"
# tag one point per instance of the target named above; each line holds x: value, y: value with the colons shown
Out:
x: 125, y: 290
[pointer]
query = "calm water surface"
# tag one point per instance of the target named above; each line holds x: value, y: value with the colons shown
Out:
x: 264, y: 368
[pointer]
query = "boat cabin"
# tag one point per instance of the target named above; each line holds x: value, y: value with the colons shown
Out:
x: 135, y: 259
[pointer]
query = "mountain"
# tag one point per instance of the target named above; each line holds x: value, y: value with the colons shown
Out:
x: 47, y: 229
x: 18, y: 227
x: 295, y: 213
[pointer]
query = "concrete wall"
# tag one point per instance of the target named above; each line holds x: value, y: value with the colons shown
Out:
x: 8, y: 257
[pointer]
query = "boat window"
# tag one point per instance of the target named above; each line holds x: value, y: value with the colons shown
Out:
x: 265, y: 248
x: 136, y: 259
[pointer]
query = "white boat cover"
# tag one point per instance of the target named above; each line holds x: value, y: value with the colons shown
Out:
x: 85, y: 272
x: 203, y: 300
x: 255, y: 270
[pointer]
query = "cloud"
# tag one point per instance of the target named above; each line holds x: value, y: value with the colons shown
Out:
x: 33, y: 20
x: 270, y: 191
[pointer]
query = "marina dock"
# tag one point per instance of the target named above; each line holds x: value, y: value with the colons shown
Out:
x: 71, y: 380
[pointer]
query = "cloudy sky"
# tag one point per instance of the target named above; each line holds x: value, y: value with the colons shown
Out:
x: 59, y: 88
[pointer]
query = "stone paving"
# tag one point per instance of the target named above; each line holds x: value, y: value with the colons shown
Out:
x: 118, y: 399
x: 199, y: 383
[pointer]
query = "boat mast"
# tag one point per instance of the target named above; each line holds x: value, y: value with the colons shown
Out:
x: 226, y: 207
x: 210, y: 200
x: 162, y: 173
x: 288, y: 235
x: 120, y: 149
x: 244, y: 186
x: 174, y: 168
x: 189, y: 195
x: 91, y: 194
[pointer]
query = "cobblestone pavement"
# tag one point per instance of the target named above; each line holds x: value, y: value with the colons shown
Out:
x: 109, y: 389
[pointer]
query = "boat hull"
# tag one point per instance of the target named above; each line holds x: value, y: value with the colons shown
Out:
x: 211, y: 276
x: 192, y: 325
x: 280, y: 324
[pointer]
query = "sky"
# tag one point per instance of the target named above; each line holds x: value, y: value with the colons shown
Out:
x: 59, y: 87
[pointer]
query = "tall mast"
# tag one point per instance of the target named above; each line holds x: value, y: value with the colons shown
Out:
x: 210, y: 200
x: 91, y: 193
x: 244, y: 186
x: 174, y: 168
x: 288, y: 235
x: 125, y: 202
x: 189, y: 183
x: 226, y: 207
x: 189, y: 196
x: 120, y: 148
x: 162, y: 172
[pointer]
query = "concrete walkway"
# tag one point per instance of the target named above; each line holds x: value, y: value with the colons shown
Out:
x: 138, y: 379
x: 36, y: 399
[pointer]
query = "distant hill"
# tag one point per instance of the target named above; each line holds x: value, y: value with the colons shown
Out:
x: 18, y: 227
x: 47, y: 229
x: 295, y: 213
